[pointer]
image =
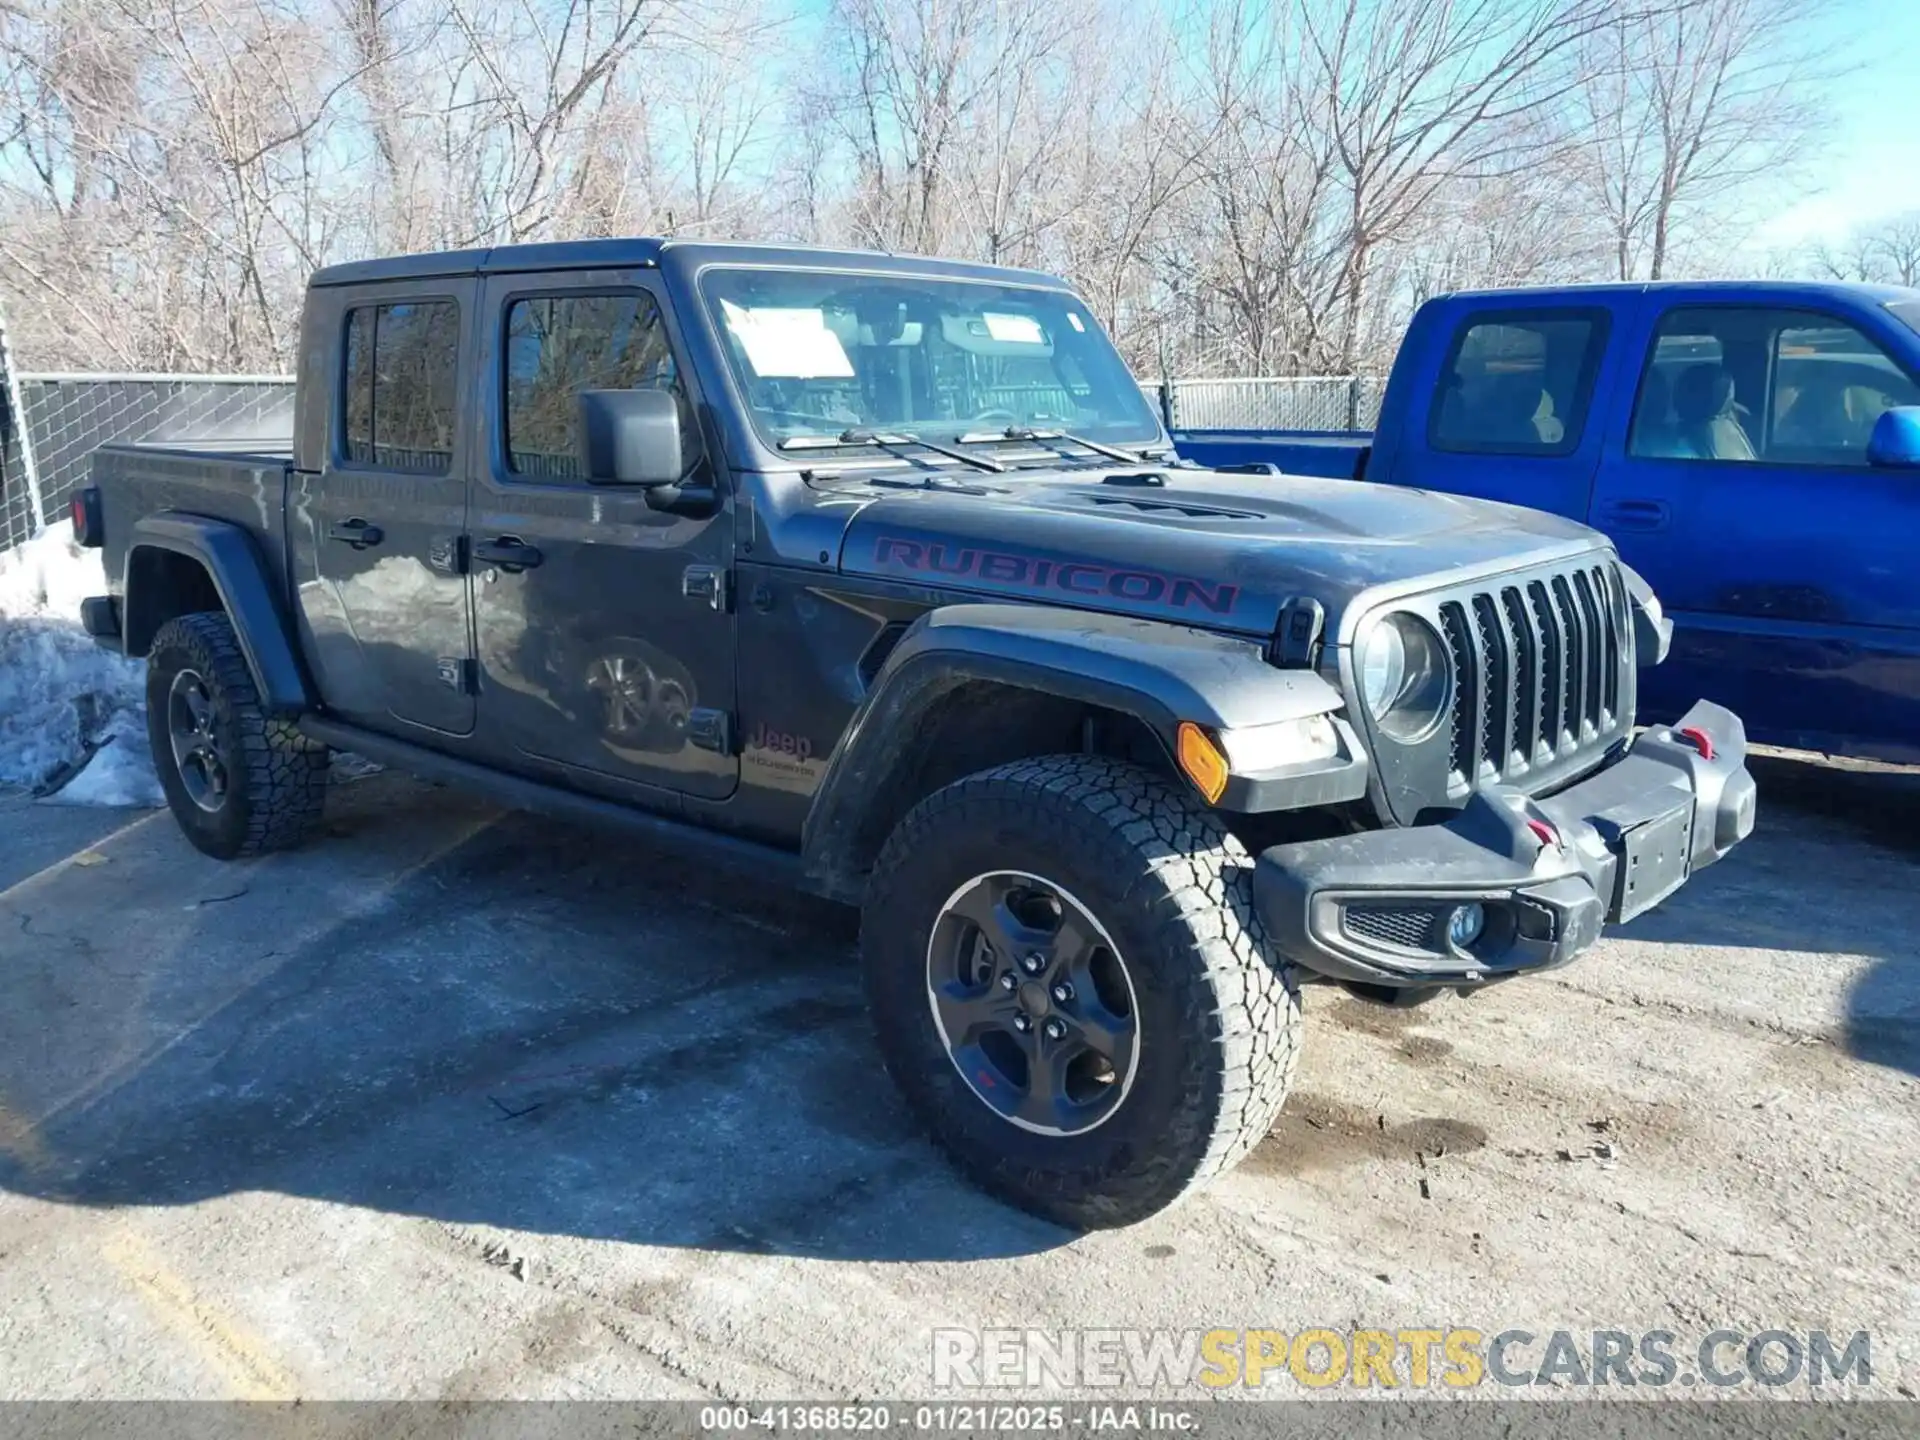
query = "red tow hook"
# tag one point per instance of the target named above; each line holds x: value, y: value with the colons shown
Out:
x: 1543, y: 832
x: 1697, y: 738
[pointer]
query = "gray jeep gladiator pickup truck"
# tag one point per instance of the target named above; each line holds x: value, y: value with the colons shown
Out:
x: 880, y: 571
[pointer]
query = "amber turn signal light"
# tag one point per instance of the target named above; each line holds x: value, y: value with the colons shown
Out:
x: 1201, y: 761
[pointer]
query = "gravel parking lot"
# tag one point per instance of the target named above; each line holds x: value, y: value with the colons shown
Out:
x: 461, y: 1103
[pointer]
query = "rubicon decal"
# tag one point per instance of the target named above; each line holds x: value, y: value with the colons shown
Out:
x: 1071, y: 577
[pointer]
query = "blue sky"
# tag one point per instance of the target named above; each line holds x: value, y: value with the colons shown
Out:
x: 1872, y: 167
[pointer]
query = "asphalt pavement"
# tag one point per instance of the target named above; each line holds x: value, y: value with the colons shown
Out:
x: 458, y: 1103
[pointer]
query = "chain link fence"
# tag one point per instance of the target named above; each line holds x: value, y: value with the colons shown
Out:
x: 20, y: 499
x: 1293, y: 402
x: 54, y: 422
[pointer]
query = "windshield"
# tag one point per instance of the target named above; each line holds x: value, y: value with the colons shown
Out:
x: 818, y: 353
x: 1909, y: 311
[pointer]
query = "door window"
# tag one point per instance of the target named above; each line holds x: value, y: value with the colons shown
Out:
x: 1519, y: 384
x: 558, y: 346
x: 401, y: 367
x: 1750, y: 385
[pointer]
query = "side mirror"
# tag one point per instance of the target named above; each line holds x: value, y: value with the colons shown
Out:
x: 630, y: 437
x: 1896, y: 439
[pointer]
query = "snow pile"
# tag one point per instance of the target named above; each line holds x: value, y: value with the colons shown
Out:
x: 66, y: 704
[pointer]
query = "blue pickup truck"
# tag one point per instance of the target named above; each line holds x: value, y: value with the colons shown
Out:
x: 1752, y: 449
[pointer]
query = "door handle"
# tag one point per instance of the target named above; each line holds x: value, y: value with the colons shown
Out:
x: 509, y: 552
x: 357, y: 533
x: 1637, y: 514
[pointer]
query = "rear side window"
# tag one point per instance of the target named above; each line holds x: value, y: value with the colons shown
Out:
x: 1518, y: 384
x: 558, y: 346
x: 401, y: 371
x: 1907, y: 311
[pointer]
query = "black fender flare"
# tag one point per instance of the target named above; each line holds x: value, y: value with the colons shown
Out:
x: 239, y: 573
x: 1157, y: 672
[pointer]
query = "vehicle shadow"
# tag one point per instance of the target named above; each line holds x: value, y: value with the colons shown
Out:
x: 1883, y: 807
x: 545, y: 1029
x: 548, y: 1029
x: 1830, y: 872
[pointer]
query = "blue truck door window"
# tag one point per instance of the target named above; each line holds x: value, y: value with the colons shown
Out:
x: 1744, y: 496
x: 1508, y: 416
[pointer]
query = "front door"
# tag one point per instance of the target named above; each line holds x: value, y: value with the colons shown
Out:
x: 603, y: 631
x: 383, y: 603
x: 1741, y: 491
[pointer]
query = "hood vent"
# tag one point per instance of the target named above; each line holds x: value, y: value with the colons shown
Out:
x: 1143, y: 506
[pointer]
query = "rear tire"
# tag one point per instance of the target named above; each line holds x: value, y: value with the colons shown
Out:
x: 239, y: 781
x: 1205, y: 1058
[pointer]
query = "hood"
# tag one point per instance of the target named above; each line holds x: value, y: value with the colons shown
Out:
x: 1224, y: 551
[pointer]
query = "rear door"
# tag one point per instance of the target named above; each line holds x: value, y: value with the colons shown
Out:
x: 1737, y: 483
x: 1511, y: 413
x: 384, y: 603
x: 605, y: 633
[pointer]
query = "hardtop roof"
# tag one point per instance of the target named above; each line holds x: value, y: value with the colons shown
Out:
x: 685, y: 256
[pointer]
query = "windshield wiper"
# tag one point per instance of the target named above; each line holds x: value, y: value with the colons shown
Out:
x: 895, y: 443
x: 1015, y: 432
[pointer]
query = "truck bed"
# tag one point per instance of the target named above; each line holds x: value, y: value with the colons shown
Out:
x: 242, y: 480
x: 1334, y: 454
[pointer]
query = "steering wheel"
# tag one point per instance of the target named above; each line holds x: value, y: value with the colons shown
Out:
x: 1006, y: 419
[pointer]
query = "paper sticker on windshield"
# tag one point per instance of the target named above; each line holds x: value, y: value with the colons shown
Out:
x: 1014, y: 329
x: 784, y: 344
x: 1074, y: 320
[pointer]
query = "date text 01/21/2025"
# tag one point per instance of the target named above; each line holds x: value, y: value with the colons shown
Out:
x: 960, y: 1417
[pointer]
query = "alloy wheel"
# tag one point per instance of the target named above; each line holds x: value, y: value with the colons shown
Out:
x: 205, y: 767
x: 1033, y: 1002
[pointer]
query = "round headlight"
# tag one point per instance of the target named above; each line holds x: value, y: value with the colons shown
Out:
x: 1383, y: 667
x: 1404, y: 677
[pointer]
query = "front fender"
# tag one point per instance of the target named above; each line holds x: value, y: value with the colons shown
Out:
x: 239, y: 573
x: 1159, y: 673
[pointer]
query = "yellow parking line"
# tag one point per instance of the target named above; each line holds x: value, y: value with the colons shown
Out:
x: 250, y: 1370
x: 114, y: 1074
x: 20, y: 1139
x: 59, y: 866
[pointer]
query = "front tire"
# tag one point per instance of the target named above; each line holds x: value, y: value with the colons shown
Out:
x: 239, y: 781
x: 1073, y: 990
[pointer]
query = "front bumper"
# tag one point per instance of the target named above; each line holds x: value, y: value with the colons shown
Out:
x: 1373, y: 908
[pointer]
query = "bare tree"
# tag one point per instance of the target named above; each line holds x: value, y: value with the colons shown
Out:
x: 1894, y: 249
x: 1415, y: 95
x: 168, y: 144
x: 1235, y: 185
x: 1684, y: 107
x: 1266, y: 266
x: 715, y: 106
x: 1886, y: 252
x: 914, y: 85
x: 960, y: 118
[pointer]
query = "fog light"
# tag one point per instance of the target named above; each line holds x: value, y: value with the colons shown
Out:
x: 1465, y: 924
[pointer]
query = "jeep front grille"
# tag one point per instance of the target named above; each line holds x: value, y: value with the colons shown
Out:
x: 1544, y: 671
